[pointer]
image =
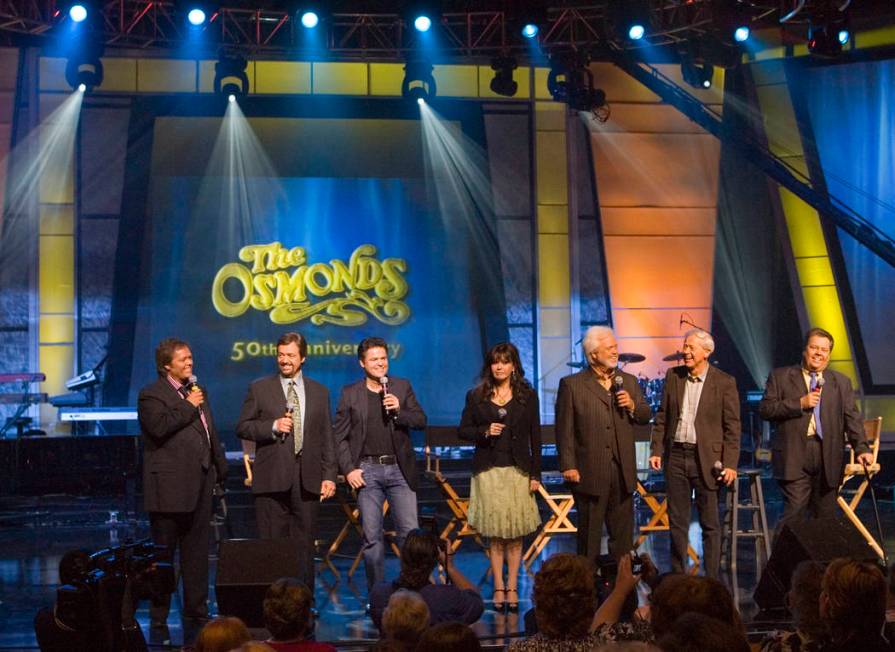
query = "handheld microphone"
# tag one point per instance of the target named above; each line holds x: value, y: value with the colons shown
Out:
x: 193, y: 384
x: 820, y: 384
x: 290, y: 407
x: 618, y: 386
x: 501, y: 414
x: 718, y: 471
x: 383, y: 383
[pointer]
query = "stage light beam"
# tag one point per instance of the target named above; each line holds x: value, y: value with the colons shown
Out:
x: 741, y: 33
x: 530, y: 30
x: 82, y: 88
x: 310, y: 19
x: 77, y: 13
x: 636, y: 32
x: 422, y: 23
x: 844, y: 36
x: 196, y: 17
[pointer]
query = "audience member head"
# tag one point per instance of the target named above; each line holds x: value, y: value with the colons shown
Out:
x: 695, y: 632
x: 419, y: 555
x: 853, y: 599
x: 565, y: 596
x: 804, y: 597
x: 222, y: 635
x: 405, y: 617
x: 678, y: 594
x: 287, y: 609
x: 449, y: 637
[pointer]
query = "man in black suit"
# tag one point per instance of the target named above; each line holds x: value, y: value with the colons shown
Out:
x: 811, y: 407
x: 182, y: 462
x: 372, y: 430
x: 287, y: 416
x: 697, y: 426
x: 595, y: 417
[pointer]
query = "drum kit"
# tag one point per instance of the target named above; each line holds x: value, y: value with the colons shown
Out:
x: 652, y: 387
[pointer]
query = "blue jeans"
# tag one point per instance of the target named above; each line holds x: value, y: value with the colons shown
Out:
x: 383, y: 481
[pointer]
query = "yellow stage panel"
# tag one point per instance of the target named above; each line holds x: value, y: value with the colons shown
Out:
x: 551, y: 167
x: 550, y: 116
x: 555, y: 323
x: 656, y: 169
x: 659, y: 272
x: 282, y: 77
x: 815, y: 271
x: 881, y: 406
x: 658, y: 221
x: 553, y: 270
x: 386, y: 79
x: 57, y: 329
x: 876, y: 38
x: 340, y: 78
x: 822, y: 304
x: 166, y: 75
x: 57, y: 219
x: 457, y: 81
x: 520, y: 76
x: 56, y: 274
x: 553, y: 218
x: 848, y: 368
x: 541, y: 92
x: 804, y: 226
x: 57, y: 362
x: 119, y: 74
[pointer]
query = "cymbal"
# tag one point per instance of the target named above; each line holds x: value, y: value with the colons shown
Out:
x: 631, y: 357
x: 674, y: 357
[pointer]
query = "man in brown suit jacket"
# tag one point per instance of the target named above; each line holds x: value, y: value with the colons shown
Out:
x: 596, y: 410
x: 697, y: 426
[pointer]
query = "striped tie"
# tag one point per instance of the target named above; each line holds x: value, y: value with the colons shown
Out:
x: 297, y: 438
x: 813, y: 387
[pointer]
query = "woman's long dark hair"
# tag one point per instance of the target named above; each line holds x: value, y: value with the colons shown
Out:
x: 504, y: 352
x: 419, y: 555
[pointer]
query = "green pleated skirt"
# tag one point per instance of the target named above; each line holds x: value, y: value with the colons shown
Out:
x: 500, y: 504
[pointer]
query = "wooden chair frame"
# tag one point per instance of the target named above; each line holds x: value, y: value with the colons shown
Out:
x: 658, y: 522
x: 873, y: 430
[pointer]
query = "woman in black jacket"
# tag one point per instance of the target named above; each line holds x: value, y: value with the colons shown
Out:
x: 502, y: 417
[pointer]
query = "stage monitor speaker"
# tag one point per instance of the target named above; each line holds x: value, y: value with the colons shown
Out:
x: 816, y: 539
x: 246, y: 568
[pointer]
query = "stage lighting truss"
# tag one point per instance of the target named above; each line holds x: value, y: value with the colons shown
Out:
x: 698, y: 75
x: 418, y: 83
x: 503, y: 82
x: 827, y: 34
x: 571, y: 82
x: 230, y: 76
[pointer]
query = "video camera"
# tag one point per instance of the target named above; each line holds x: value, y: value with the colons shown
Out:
x: 102, y: 599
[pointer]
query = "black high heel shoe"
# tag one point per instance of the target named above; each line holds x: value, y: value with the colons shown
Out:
x: 499, y: 606
x: 512, y: 605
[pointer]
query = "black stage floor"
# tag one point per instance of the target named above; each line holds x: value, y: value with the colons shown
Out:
x: 36, y: 530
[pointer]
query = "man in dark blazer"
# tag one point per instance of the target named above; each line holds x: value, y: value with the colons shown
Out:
x: 697, y: 426
x: 595, y: 417
x: 182, y: 462
x: 287, y: 416
x: 811, y: 408
x: 372, y: 431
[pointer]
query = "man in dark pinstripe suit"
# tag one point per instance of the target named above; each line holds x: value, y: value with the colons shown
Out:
x: 596, y: 410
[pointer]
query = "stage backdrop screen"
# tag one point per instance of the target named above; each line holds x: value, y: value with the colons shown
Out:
x: 328, y: 227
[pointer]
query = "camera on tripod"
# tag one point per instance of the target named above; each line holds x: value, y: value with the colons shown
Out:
x: 102, y: 597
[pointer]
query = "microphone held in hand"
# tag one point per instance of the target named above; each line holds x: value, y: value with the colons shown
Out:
x: 618, y: 386
x: 501, y: 414
x: 820, y: 384
x: 192, y: 384
x: 718, y: 471
x: 383, y: 383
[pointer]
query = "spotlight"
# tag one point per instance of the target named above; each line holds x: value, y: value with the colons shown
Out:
x: 741, y: 33
x: 84, y: 67
x: 697, y: 75
x: 196, y: 17
x: 230, y: 75
x: 844, y: 36
x: 570, y: 81
x: 420, y: 101
x: 636, y: 32
x: 231, y: 98
x: 82, y: 88
x: 310, y: 19
x: 823, y: 42
x: 530, y: 30
x: 77, y: 12
x: 418, y: 84
x: 422, y: 23
x: 630, y: 19
x: 503, y: 82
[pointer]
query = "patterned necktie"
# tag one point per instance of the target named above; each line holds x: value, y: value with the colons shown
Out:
x: 296, y: 418
x: 813, y: 387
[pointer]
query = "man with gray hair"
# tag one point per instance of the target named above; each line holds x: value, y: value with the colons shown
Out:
x: 596, y: 410
x: 696, y: 437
